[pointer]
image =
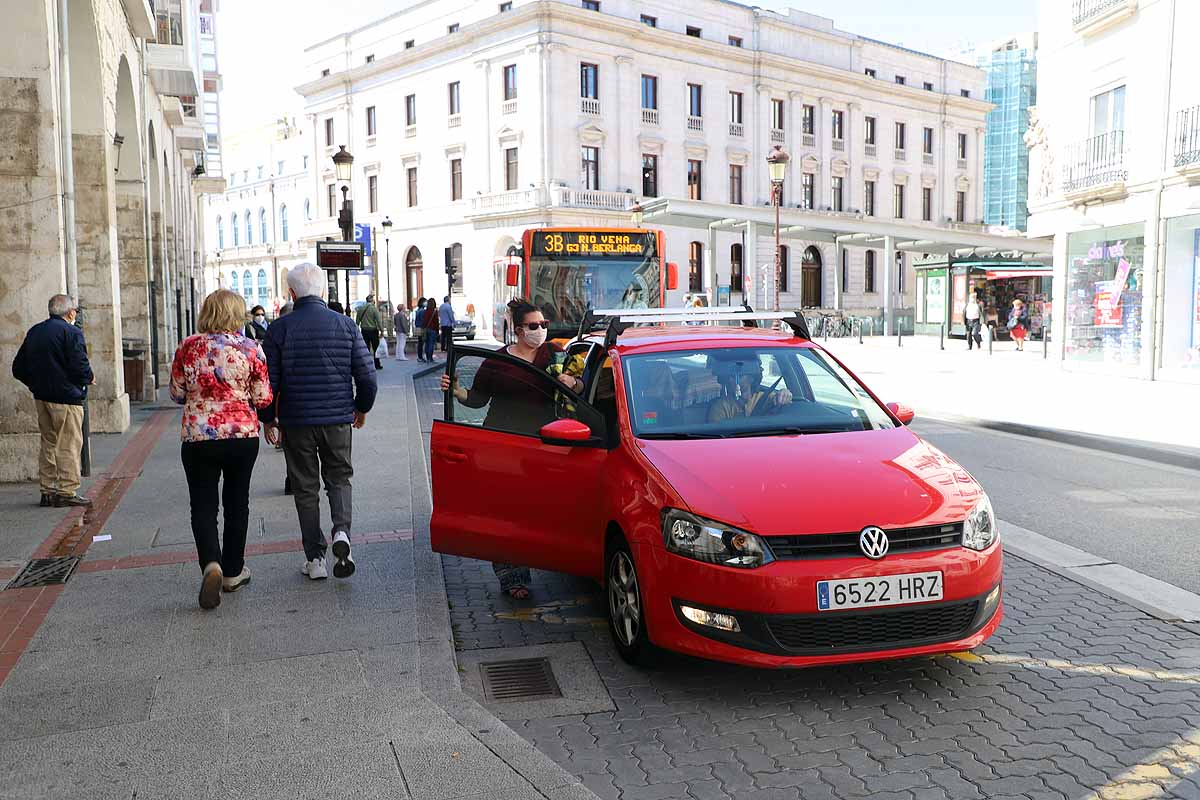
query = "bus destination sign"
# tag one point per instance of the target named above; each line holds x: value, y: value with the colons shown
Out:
x: 605, y: 244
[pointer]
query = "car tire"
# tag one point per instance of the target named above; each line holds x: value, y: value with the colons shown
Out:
x: 626, y: 609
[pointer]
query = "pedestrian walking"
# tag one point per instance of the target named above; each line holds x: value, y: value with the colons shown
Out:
x: 220, y: 377
x: 1018, y: 323
x: 402, y: 322
x: 53, y: 362
x: 973, y: 314
x: 256, y: 326
x: 446, y: 322
x: 336, y: 307
x: 324, y: 384
x: 369, y: 321
x: 431, y: 320
x: 418, y: 320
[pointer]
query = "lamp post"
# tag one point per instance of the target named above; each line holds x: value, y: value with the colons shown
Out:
x: 387, y: 247
x: 343, y: 166
x: 638, y: 213
x: 777, y: 162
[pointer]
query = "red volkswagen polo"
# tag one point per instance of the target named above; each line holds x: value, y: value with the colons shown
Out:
x: 740, y: 494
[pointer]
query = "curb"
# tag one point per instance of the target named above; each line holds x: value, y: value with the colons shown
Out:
x: 437, y: 664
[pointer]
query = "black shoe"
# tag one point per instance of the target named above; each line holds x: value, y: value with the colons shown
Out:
x: 47, y: 501
x: 71, y: 500
x: 378, y: 364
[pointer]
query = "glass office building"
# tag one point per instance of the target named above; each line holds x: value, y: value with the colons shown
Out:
x: 1011, y: 68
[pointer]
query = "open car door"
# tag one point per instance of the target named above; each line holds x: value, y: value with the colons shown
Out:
x: 505, y: 487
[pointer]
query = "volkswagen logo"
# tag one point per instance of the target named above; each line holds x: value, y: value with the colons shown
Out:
x: 874, y: 542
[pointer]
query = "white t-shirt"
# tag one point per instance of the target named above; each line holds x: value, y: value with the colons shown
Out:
x: 972, y: 310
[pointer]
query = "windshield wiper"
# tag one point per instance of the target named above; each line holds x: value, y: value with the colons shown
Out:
x: 784, y: 431
x: 681, y: 436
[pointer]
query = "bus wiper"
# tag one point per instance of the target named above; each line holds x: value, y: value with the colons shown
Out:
x: 784, y: 431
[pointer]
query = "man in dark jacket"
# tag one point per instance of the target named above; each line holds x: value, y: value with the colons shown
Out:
x: 324, y: 381
x: 53, y: 363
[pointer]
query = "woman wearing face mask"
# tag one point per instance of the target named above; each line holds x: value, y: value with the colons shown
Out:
x: 256, y: 328
x: 517, y: 402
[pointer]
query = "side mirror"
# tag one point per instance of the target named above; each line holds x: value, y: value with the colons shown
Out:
x: 565, y: 432
x: 901, y: 412
x: 672, y: 275
x: 512, y: 275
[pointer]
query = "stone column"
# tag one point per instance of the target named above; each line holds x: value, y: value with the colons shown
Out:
x: 760, y: 127
x: 977, y: 178
x: 888, y: 266
x: 624, y: 67
x: 485, y: 69
x: 795, y: 136
x: 134, y: 280
x: 825, y: 143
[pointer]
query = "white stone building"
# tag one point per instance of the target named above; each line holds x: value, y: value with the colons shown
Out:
x: 1113, y: 166
x: 471, y: 121
x: 137, y: 82
x: 255, y: 227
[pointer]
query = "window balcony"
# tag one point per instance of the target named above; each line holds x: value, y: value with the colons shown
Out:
x: 1187, y: 140
x: 695, y: 123
x: 927, y: 159
x: 1089, y: 17
x: 589, y: 105
x: 410, y: 131
x: 509, y: 107
x: 961, y: 163
x: 505, y: 202
x: 454, y: 121
x: 900, y: 154
x: 173, y: 59
x: 778, y: 136
x: 593, y: 199
x: 1095, y: 167
x: 808, y: 140
x: 737, y: 129
x: 839, y: 145
x: 650, y: 116
x: 869, y: 150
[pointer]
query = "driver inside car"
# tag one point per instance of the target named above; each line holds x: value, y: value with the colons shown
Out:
x: 742, y: 392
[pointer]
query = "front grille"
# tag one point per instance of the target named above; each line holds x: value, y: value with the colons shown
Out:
x: 842, y: 631
x: 845, y: 545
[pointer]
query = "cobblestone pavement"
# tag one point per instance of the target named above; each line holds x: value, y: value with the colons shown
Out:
x: 1077, y: 696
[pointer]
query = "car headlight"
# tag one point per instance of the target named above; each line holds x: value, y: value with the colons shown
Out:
x: 979, y: 529
x: 712, y: 542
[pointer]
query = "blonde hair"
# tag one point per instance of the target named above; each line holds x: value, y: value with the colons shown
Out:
x: 223, y: 312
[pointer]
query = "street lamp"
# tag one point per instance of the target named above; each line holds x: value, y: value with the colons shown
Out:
x: 343, y: 166
x: 777, y: 162
x: 638, y: 212
x: 387, y: 245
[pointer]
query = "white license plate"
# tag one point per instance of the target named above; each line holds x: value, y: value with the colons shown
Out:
x: 885, y: 590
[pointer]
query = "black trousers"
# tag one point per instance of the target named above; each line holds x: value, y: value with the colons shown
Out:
x: 371, y: 337
x: 204, y: 464
x: 973, y: 336
x: 447, y: 337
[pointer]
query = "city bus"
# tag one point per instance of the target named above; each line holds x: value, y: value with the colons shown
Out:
x: 566, y: 271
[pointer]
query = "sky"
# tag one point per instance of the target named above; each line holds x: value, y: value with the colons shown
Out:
x: 260, y: 71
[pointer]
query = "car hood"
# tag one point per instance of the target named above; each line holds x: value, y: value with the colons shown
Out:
x: 817, y: 483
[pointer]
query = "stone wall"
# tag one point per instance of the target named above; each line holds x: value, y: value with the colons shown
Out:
x: 135, y: 281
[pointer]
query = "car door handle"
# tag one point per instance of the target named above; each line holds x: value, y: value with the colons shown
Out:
x: 454, y: 455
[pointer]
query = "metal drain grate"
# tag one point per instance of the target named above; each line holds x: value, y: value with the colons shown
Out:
x: 45, y: 572
x: 520, y: 679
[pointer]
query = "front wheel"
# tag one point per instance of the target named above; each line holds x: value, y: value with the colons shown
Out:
x: 626, y: 611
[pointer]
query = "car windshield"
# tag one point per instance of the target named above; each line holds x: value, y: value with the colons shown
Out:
x: 745, y: 391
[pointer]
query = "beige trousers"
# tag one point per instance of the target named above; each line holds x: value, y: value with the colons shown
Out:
x: 62, y: 442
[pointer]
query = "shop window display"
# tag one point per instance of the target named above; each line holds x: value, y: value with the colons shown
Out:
x: 1104, y: 295
x: 1181, y: 296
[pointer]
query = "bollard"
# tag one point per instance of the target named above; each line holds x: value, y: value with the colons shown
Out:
x: 826, y: 327
x: 860, y: 327
x: 1045, y: 343
x: 990, y: 338
x: 942, y: 336
x: 899, y: 337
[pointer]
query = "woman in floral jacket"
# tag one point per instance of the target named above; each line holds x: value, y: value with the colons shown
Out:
x: 220, y: 377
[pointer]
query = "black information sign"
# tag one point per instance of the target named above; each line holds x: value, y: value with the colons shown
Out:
x: 340, y: 255
x: 600, y: 243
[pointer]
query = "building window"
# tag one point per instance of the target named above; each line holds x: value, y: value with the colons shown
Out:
x: 845, y: 269
x: 870, y: 73
x: 589, y: 81
x: 505, y: 7
x: 262, y: 226
x: 455, y: 98
x: 260, y: 172
x: 901, y: 135
x: 808, y: 124
x: 307, y: 210
x: 591, y: 5
x: 279, y: 168
x: 247, y: 287
x: 233, y: 227
x: 927, y: 141
x: 410, y: 44
x: 510, y: 168
x: 965, y: 92
x: 510, y: 82
x: 305, y: 162
x: 695, y: 179
x: 410, y: 109
x: 839, y: 125
x: 960, y: 207
x: 649, y: 21
x: 1108, y: 111
x: 325, y: 73
x: 928, y: 86
x: 283, y: 222
x: 898, y: 201
x: 869, y: 130
x: 263, y: 289
x: 962, y: 146
x: 735, y: 41
x: 456, y: 179
x: 869, y: 198
x: 783, y: 268
x: 735, y: 184
x: 837, y: 199
x: 411, y: 173
x: 370, y: 120
x: 233, y: 280
x: 927, y: 204
x: 329, y: 132
x: 649, y: 175
x: 370, y: 58
x: 591, y: 167
x: 693, y: 31
x: 220, y: 235
x: 778, y: 114
x: 454, y: 260
x: 452, y: 28
x: 737, y: 280
x: 649, y: 92
x: 695, y: 100
x: 900, y: 79
x: 373, y: 194
x: 695, y: 267
x: 331, y: 196
x: 807, y: 180
x: 869, y: 273
x: 735, y: 107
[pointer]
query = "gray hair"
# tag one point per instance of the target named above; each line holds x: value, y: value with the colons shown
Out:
x: 60, y: 305
x: 307, y: 280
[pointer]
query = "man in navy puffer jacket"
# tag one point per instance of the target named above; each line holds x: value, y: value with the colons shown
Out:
x: 323, y: 379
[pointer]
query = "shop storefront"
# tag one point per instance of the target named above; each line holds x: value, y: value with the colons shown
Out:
x: 1104, y: 296
x: 943, y: 289
x: 1181, y: 304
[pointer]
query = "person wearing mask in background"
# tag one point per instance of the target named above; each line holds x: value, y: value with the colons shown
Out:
x: 418, y: 321
x: 402, y: 322
x: 973, y: 315
x: 220, y: 378
x: 322, y: 377
x: 446, y: 323
x: 256, y: 328
x: 53, y: 363
x: 370, y: 323
x: 430, y: 320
